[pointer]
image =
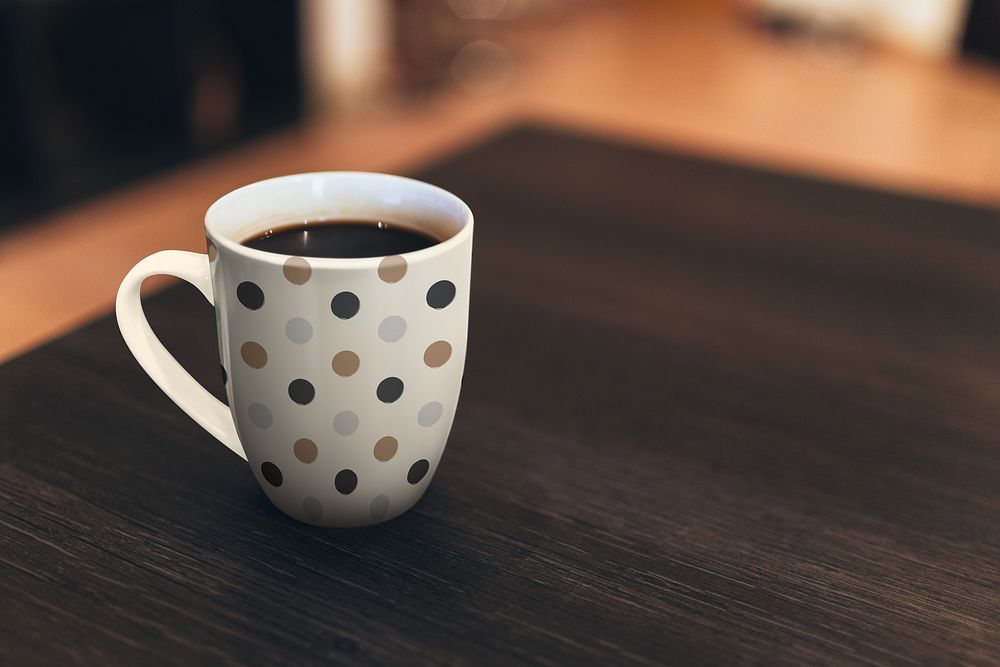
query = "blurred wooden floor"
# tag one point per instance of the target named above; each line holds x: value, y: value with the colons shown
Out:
x: 699, y: 79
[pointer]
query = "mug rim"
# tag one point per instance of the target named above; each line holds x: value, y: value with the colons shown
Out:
x: 439, y: 248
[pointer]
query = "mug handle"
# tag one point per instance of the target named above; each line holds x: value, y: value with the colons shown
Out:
x: 211, y: 413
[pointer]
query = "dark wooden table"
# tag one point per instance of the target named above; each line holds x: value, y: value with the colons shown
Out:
x: 711, y: 415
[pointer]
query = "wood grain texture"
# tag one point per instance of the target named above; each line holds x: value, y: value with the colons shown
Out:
x: 710, y: 415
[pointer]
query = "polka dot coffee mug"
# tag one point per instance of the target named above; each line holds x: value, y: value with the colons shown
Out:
x: 343, y: 375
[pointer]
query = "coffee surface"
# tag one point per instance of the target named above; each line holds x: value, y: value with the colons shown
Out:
x: 340, y: 239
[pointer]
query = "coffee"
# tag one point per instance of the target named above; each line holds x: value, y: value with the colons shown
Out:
x: 341, y: 239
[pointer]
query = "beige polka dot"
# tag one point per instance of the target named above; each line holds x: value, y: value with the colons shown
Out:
x: 437, y: 354
x: 213, y: 252
x: 297, y: 270
x: 305, y: 450
x: 386, y: 448
x: 254, y: 354
x: 346, y: 363
x: 392, y: 269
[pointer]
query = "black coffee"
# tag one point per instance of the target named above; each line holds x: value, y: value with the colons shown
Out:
x: 340, y: 238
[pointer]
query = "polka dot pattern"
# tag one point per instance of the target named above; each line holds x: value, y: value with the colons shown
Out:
x: 253, y: 354
x: 417, y: 471
x: 389, y: 390
x: 271, y: 473
x: 297, y: 270
x: 351, y: 443
x: 392, y: 269
x: 392, y: 329
x: 346, y: 363
x: 345, y: 423
x: 260, y: 416
x: 386, y: 448
x: 430, y: 414
x: 250, y: 295
x: 298, y: 330
x: 305, y: 450
x: 437, y: 354
x: 441, y: 294
x: 301, y: 391
x: 346, y: 481
x: 345, y: 305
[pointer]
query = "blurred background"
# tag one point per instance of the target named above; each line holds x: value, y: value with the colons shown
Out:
x: 122, y: 120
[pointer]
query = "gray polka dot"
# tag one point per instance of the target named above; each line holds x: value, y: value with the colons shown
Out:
x: 345, y: 423
x: 392, y: 328
x: 379, y: 507
x: 259, y: 415
x: 430, y: 414
x: 298, y: 330
x: 313, y: 510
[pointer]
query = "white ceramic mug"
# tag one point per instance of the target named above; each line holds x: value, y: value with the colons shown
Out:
x: 343, y: 375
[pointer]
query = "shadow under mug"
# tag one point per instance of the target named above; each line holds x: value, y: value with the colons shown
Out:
x: 343, y: 375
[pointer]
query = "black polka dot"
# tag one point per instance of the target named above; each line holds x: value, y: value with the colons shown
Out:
x: 345, y: 305
x: 389, y: 390
x: 346, y: 481
x: 301, y: 391
x: 441, y: 294
x: 417, y: 471
x: 225, y: 376
x: 271, y: 473
x: 250, y: 295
